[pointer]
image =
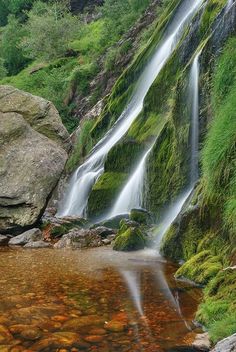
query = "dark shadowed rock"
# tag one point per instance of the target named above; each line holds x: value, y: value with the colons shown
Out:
x: 4, y: 240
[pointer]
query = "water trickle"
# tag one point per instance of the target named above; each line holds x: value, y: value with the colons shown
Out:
x: 132, y: 194
x: 194, y: 98
x: 80, y: 185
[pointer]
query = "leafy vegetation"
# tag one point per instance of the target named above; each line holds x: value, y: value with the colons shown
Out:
x: 43, y: 32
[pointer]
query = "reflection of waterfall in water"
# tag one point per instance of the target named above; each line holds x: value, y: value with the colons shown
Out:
x: 76, y: 197
x: 133, y: 282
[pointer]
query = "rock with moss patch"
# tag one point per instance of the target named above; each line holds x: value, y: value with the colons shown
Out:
x: 141, y: 216
x: 33, y: 152
x: 130, y: 240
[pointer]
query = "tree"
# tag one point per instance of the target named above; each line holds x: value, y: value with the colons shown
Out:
x: 10, y: 49
x: 50, y: 28
x: 3, y: 70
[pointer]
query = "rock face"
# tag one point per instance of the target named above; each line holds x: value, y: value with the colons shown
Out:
x: 33, y: 152
x: 226, y: 345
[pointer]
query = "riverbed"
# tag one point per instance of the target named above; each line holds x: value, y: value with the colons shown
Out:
x: 93, y: 300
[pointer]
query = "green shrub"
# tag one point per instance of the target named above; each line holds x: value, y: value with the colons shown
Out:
x: 10, y: 51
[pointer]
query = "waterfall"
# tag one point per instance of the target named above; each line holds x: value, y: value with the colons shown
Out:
x: 229, y: 4
x: 76, y: 196
x: 176, y: 208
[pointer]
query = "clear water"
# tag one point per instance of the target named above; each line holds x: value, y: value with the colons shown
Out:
x: 55, y: 300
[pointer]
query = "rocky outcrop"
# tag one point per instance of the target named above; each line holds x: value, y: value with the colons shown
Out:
x: 33, y: 152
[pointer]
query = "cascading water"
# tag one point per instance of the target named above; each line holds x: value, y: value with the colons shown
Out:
x: 132, y: 194
x: 80, y: 185
x: 174, y: 211
x: 229, y: 4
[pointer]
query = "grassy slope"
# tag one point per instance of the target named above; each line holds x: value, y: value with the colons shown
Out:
x: 56, y: 80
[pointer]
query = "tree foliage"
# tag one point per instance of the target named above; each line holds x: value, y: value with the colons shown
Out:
x: 10, y: 49
x: 50, y: 28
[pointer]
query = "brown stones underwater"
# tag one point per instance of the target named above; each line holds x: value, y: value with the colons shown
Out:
x: 83, y: 301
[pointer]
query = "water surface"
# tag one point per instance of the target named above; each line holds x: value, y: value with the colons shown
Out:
x: 93, y: 300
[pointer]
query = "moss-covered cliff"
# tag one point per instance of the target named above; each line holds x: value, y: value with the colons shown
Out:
x: 204, y: 233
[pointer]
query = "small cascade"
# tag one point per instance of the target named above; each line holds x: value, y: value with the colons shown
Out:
x: 132, y: 194
x: 76, y: 196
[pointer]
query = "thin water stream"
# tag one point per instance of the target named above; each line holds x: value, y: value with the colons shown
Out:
x: 93, y: 300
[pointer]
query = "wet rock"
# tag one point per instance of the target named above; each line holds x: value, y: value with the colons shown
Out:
x: 130, y: 240
x: 202, y: 342
x: 83, y: 321
x: 5, y: 335
x: 28, y: 236
x: 106, y: 241
x: 93, y: 338
x: 226, y: 345
x: 35, y: 143
x: 38, y: 244
x: 114, y: 222
x: 104, y: 231
x: 79, y: 239
x: 97, y: 331
x: 58, y: 340
x: 4, y: 240
x: 141, y: 216
x: 31, y: 333
x: 115, y: 326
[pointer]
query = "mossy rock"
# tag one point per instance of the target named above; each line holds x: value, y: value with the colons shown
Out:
x: 201, y: 268
x: 130, y: 240
x: 103, y: 193
x: 141, y: 216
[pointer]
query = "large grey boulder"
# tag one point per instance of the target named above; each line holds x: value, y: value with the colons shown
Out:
x: 26, y: 237
x: 82, y: 238
x: 33, y: 152
x: 226, y: 345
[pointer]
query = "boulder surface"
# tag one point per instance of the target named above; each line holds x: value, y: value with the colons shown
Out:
x: 33, y: 151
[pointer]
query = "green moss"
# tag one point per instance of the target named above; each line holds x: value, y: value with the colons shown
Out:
x: 201, y: 267
x: 82, y: 146
x: 218, y: 311
x: 218, y: 155
x: 140, y: 216
x: 213, y: 7
x: 130, y: 240
x: 104, y: 192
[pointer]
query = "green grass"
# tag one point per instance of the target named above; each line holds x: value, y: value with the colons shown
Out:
x: 82, y: 146
x: 219, y: 152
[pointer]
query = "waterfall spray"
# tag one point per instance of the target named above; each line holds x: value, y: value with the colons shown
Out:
x: 76, y: 197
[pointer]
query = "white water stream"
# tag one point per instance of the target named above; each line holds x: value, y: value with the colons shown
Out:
x: 76, y: 196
